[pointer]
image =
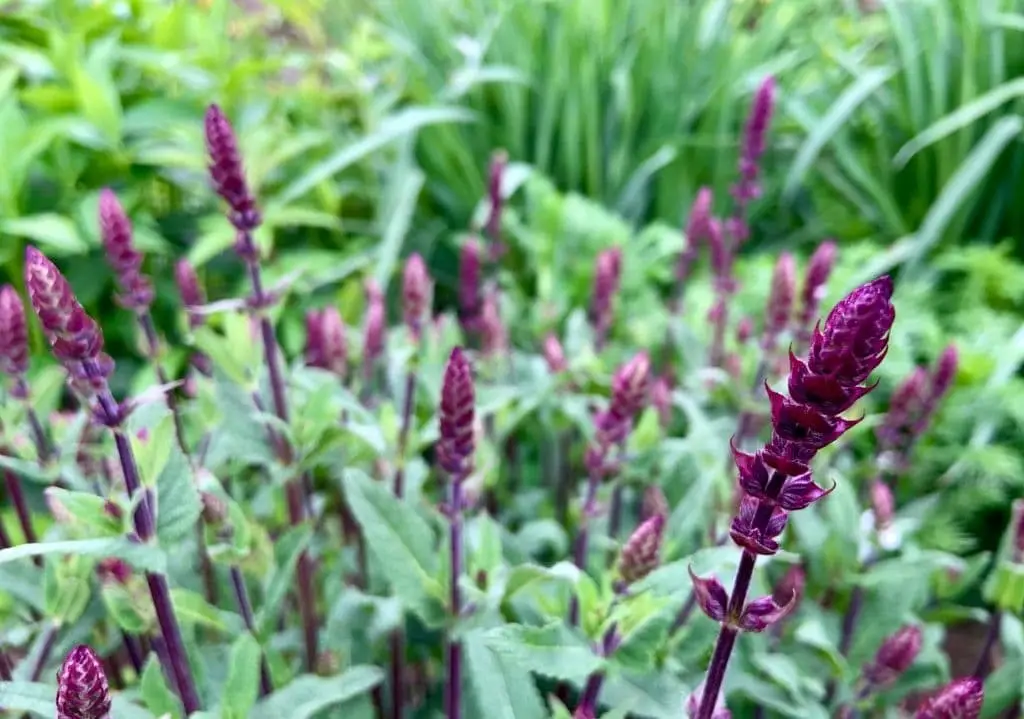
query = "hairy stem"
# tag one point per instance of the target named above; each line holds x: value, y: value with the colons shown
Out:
x: 145, y: 528
x: 296, y: 487
x: 245, y: 607
x: 453, y: 692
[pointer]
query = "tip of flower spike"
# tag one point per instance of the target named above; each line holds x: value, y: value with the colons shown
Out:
x: 641, y: 553
x: 895, y: 656
x: 82, y: 689
x: 13, y: 333
x: 457, y: 438
x: 960, y: 699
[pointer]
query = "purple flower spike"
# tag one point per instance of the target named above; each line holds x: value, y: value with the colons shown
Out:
x: 326, y: 342
x: 494, y: 335
x: 554, y: 355
x: 82, y: 689
x: 190, y: 291
x: 456, y: 445
x: 698, y: 229
x: 819, y: 268
x: 780, y: 300
x: 882, y: 503
x: 631, y: 384
x: 906, y: 408
x: 373, y: 342
x: 711, y: 596
x: 469, y: 284
x: 72, y: 333
x: 960, y: 699
x: 136, y: 291
x: 855, y: 337
x: 754, y: 142
x: 895, y: 656
x: 744, y: 329
x: 607, y: 275
x: 415, y: 294
x: 13, y: 333
x: 945, y: 372
x: 762, y: 613
x: 227, y: 172
x: 642, y: 552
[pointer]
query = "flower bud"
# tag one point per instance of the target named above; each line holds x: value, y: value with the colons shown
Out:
x: 780, y: 300
x: 882, y: 504
x: 82, y: 690
x: 607, y: 276
x: 13, y: 333
x: 895, y: 656
x: 960, y: 699
x: 226, y: 170
x: 744, y: 330
x: 326, y: 341
x: 711, y: 596
x: 113, y: 571
x: 373, y: 342
x: 763, y: 612
x: 494, y: 335
x: 415, y: 293
x: 554, y: 354
x: 457, y: 439
x: 136, y: 292
x: 945, y: 372
x: 215, y: 509
x: 469, y: 284
x: 641, y: 553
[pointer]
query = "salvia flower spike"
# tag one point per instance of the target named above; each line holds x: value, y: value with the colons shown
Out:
x: 697, y: 231
x: 554, y: 354
x: 960, y: 699
x: 754, y: 144
x: 326, y: 341
x: 607, y: 275
x: 642, y: 552
x: 470, y: 294
x: 136, y: 291
x: 415, y: 294
x: 227, y: 172
x: 819, y: 268
x: 777, y: 479
x: 780, y: 301
x: 895, y: 656
x: 190, y: 291
x: 13, y: 334
x: 82, y: 689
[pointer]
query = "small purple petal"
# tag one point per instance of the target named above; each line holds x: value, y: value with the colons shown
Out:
x: 711, y: 596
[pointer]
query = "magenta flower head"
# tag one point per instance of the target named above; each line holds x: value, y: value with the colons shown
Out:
x: 494, y: 335
x: 945, y: 372
x: 74, y: 335
x: 136, y: 291
x: 895, y: 656
x: 641, y: 553
x: 780, y: 300
x: 415, y: 293
x: 777, y: 479
x: 13, y: 334
x: 554, y: 355
x: 607, y: 274
x: 906, y: 407
x: 457, y: 442
x: 326, y: 342
x: 815, y: 285
x: 190, y: 291
x: 754, y: 142
x: 960, y: 699
x: 469, y: 284
x: 698, y: 229
x: 227, y: 172
x: 373, y: 342
x: 82, y: 689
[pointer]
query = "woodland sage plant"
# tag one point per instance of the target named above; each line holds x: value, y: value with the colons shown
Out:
x: 384, y: 523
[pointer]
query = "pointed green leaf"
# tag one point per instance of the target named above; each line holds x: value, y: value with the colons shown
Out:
x: 551, y: 651
x: 156, y: 695
x: 242, y: 686
x: 141, y: 556
x: 307, y: 694
x: 501, y: 689
x: 178, y: 502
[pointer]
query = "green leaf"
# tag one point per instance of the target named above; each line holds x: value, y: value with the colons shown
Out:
x: 141, y: 556
x: 403, y: 123
x: 55, y: 235
x: 192, y: 608
x: 837, y: 116
x: 242, y: 686
x: 960, y: 118
x: 502, y: 689
x: 552, y: 650
x: 157, y: 697
x: 67, y: 588
x: 130, y: 614
x: 307, y: 695
x: 398, y: 538
x: 178, y: 502
x: 151, y: 431
x: 972, y: 171
x: 87, y: 509
x: 288, y: 548
x: 647, y: 694
x: 33, y: 697
x: 396, y: 217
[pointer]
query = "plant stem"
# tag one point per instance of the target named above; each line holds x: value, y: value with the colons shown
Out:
x: 454, y: 653
x: 615, y: 517
x: 44, y: 448
x: 592, y: 689
x: 17, y: 495
x: 245, y: 607
x: 296, y: 486
x: 737, y: 598
x: 145, y: 527
x: 397, y: 639
x: 49, y: 640
x: 583, y: 536
x: 134, y: 652
x: 984, y: 665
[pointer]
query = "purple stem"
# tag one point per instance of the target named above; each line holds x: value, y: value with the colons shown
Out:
x: 741, y: 585
x: 984, y: 665
x: 14, y: 489
x: 398, y: 636
x: 49, y: 640
x: 5, y: 668
x: 592, y: 689
x: 145, y: 528
x: 44, y: 449
x: 295, y: 487
x: 5, y: 538
x: 135, y: 653
x: 453, y: 692
x: 245, y: 607
x: 581, y: 546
